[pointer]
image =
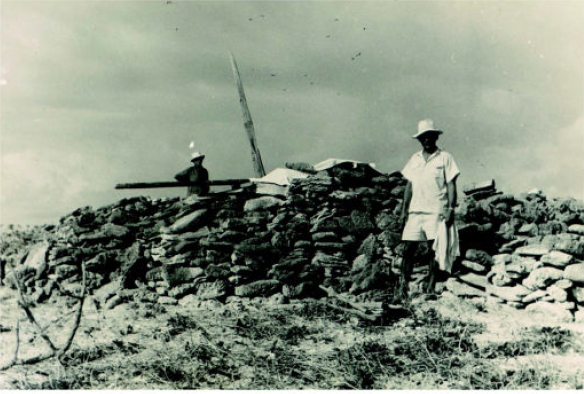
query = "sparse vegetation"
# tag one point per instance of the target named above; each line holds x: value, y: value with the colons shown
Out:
x: 315, y: 347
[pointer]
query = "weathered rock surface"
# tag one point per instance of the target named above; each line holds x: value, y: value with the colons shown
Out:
x: 575, y: 273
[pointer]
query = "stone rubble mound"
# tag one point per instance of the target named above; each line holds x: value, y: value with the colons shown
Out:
x: 524, y: 251
x: 337, y: 228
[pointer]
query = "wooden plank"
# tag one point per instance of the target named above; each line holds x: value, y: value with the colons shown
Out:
x: 152, y: 185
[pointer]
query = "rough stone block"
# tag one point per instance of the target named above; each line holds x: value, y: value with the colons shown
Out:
x: 462, y: 289
x: 558, y: 294
x: 501, y: 279
x: 578, y: 294
x: 557, y: 258
x: 475, y: 280
x: 535, y: 296
x: 523, y: 265
x: 178, y: 275
x: 575, y: 272
x: 167, y: 300
x: 260, y: 288
x: 362, y: 222
x: 508, y: 293
x: 575, y: 247
x: 564, y: 284
x: 155, y: 274
x: 260, y: 203
x: 532, y: 250
x: 576, y: 229
x: 182, y: 290
x: 501, y: 259
x: 479, y: 256
x: 211, y: 290
x: 542, y: 277
x: 187, y: 222
x: 472, y: 266
x: 325, y: 236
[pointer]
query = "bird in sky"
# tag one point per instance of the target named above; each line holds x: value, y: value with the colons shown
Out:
x: 273, y: 75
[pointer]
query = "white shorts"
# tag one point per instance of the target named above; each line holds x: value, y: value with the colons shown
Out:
x: 421, y: 227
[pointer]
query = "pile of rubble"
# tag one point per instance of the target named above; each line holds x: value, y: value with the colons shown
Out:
x: 525, y: 251
x: 293, y: 234
x: 327, y: 227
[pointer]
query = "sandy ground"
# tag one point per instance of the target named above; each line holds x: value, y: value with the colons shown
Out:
x: 136, y: 326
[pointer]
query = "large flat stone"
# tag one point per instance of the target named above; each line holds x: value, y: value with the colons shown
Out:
x: 261, y: 203
x: 509, y: 293
x: 575, y: 247
x: 576, y: 228
x: 535, y: 296
x: 188, y: 236
x: 187, y: 222
x: 472, y: 266
x: 532, y: 250
x: 575, y: 272
x: 557, y: 258
x: 260, y: 288
x: 475, y: 280
x: 522, y: 265
x: 542, y: 277
x: 462, y: 289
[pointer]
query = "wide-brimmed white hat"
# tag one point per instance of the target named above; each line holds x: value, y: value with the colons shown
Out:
x: 197, y: 156
x: 425, y: 126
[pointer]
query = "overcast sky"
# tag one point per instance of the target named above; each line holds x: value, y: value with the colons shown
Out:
x: 99, y: 93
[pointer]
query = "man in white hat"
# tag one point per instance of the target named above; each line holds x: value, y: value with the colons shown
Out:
x: 430, y: 197
x: 196, y: 174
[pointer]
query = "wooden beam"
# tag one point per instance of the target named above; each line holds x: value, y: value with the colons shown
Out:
x: 152, y: 185
x: 256, y: 158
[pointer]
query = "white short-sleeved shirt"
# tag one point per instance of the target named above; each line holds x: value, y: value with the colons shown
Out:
x: 429, y: 179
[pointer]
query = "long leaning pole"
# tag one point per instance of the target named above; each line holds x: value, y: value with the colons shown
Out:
x: 258, y: 166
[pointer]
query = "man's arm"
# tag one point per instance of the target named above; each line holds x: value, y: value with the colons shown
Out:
x: 452, y: 198
x: 406, y: 203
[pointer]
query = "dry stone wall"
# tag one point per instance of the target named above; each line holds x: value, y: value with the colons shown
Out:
x: 337, y: 228
x: 524, y: 251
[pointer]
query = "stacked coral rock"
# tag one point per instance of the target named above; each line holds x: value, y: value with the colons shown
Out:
x: 533, y: 259
x: 336, y: 228
x: 330, y: 229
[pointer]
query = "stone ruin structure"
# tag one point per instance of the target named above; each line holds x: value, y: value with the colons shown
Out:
x: 335, y: 226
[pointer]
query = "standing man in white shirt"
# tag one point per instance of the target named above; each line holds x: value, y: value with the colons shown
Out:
x: 430, y: 197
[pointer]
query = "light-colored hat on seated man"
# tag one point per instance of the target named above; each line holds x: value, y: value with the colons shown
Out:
x: 425, y: 126
x: 197, y: 156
